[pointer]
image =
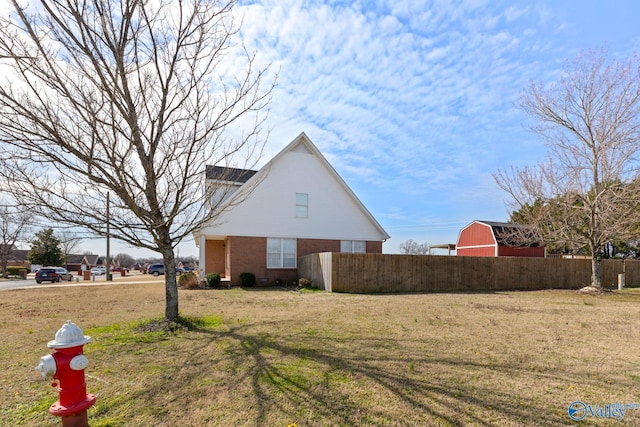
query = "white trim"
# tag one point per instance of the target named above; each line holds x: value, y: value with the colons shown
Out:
x: 476, y: 246
x: 202, y: 255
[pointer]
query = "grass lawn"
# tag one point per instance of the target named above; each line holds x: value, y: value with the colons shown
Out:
x: 259, y: 357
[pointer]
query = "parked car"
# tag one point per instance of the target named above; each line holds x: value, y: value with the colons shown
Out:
x: 155, y: 269
x: 158, y: 269
x: 53, y: 274
x: 98, y: 271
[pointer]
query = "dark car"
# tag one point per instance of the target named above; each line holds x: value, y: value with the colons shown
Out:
x: 155, y: 269
x: 53, y: 274
x: 158, y: 269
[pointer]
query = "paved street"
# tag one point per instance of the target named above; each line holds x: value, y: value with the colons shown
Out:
x: 131, y: 278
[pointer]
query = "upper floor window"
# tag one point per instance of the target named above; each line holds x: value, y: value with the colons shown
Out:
x: 353, y: 246
x: 302, y: 205
x: 220, y: 192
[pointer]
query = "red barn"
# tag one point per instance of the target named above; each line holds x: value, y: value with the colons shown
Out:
x: 487, y: 238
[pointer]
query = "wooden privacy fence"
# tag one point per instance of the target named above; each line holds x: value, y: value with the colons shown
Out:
x: 370, y: 273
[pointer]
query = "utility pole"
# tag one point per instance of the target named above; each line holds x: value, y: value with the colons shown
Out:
x: 109, y: 278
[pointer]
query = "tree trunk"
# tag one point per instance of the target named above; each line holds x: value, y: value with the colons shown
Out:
x: 4, y: 261
x: 171, y: 285
x: 596, y: 272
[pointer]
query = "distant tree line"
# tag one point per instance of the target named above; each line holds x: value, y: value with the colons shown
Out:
x: 411, y: 247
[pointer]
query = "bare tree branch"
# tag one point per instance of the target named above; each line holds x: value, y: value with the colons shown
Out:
x: 587, y: 192
x: 14, y: 226
x: 411, y: 247
x: 128, y: 97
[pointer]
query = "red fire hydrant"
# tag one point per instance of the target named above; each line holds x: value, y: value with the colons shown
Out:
x: 66, y: 365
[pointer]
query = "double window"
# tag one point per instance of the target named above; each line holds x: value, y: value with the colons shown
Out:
x: 353, y: 246
x: 281, y: 253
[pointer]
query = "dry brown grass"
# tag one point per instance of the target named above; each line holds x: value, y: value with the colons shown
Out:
x: 273, y: 357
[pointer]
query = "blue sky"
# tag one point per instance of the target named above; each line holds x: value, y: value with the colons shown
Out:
x: 413, y: 102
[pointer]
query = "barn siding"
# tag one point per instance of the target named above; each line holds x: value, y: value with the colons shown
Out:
x: 525, y: 252
x: 476, y: 234
x: 477, y: 251
x: 477, y: 239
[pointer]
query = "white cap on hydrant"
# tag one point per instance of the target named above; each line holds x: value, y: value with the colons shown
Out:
x: 69, y: 335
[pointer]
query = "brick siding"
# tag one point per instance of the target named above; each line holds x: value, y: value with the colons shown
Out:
x: 249, y: 254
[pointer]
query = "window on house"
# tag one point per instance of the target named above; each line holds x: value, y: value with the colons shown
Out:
x: 281, y: 253
x: 302, y: 205
x: 353, y: 246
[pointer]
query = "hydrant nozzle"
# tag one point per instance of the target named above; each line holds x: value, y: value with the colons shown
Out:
x: 66, y: 365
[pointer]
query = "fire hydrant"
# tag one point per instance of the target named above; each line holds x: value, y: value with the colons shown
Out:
x: 66, y: 365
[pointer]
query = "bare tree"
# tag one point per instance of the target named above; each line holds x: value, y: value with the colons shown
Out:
x: 124, y: 260
x: 586, y: 193
x: 14, y: 225
x: 411, y: 247
x: 69, y: 243
x: 127, y: 99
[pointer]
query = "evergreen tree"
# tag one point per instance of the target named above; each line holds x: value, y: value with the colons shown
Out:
x: 45, y: 249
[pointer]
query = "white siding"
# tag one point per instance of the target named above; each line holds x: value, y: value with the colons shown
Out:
x: 270, y: 210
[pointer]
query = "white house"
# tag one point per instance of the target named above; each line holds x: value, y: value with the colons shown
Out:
x: 297, y: 205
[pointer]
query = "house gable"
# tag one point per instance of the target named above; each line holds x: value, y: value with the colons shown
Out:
x: 297, y: 180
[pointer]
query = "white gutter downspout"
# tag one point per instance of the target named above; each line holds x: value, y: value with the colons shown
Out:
x: 202, y: 256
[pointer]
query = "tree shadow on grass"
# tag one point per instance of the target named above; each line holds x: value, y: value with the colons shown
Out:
x: 316, y: 379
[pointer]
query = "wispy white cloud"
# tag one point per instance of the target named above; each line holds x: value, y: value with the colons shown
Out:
x: 413, y: 100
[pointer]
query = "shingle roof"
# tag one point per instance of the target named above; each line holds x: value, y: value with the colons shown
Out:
x: 514, y: 235
x: 92, y: 259
x: 74, y: 258
x: 229, y: 174
x: 18, y: 255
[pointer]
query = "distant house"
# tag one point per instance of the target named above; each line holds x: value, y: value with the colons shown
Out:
x: 16, y: 257
x: 81, y: 262
x: 93, y: 260
x: 488, y: 238
x: 76, y: 262
x: 297, y: 205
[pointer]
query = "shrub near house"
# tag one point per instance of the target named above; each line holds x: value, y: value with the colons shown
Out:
x: 247, y: 279
x: 188, y: 280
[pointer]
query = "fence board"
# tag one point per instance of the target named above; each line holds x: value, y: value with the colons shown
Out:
x: 372, y: 273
